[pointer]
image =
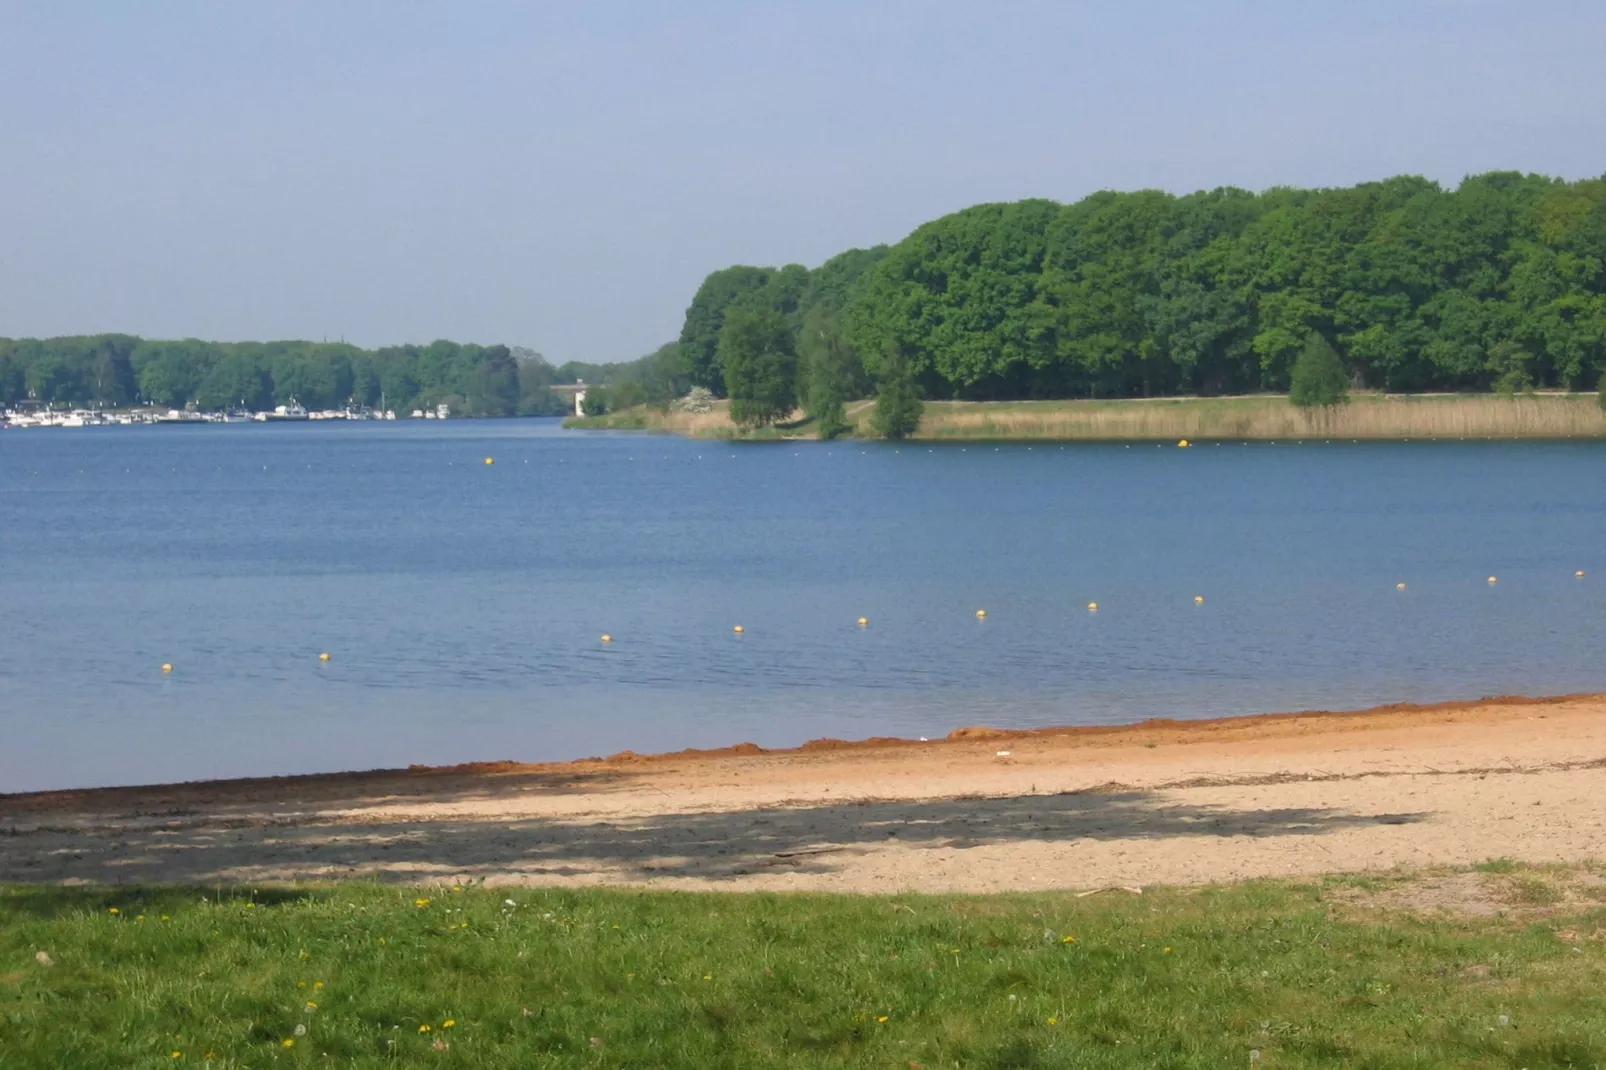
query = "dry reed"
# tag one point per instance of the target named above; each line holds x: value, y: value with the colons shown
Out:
x: 1267, y: 417
x: 1270, y: 418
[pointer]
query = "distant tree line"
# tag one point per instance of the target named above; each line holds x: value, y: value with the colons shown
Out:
x: 1402, y: 285
x: 111, y: 370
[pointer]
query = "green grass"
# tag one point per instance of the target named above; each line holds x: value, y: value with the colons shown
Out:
x: 1174, y: 978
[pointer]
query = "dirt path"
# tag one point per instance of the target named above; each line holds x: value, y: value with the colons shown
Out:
x: 1174, y: 802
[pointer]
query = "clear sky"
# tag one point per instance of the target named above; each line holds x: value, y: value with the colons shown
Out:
x: 562, y: 175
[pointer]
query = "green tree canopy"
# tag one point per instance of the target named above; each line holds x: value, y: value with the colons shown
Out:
x: 758, y: 361
x: 1132, y: 294
x: 898, y: 407
x: 699, y: 337
x: 1319, y: 378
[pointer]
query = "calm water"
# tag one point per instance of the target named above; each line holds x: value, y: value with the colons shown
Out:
x: 462, y: 603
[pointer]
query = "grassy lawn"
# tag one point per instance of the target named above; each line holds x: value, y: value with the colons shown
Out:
x: 1268, y: 974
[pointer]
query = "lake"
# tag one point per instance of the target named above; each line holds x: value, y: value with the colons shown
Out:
x: 462, y: 603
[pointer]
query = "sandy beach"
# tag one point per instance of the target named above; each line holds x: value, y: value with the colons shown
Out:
x: 1174, y: 802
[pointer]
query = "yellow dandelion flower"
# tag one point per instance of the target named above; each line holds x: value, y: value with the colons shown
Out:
x: 250, y: 906
x: 708, y: 977
x: 305, y: 955
x: 317, y: 984
x: 882, y: 1018
x: 311, y: 1006
x: 1053, y: 1021
x: 164, y: 917
x: 448, y: 1023
x: 113, y: 910
x: 139, y: 917
x: 457, y: 888
x: 1069, y: 940
x: 424, y: 1028
x: 1165, y: 950
x: 288, y: 1042
x: 420, y: 902
x: 178, y: 1055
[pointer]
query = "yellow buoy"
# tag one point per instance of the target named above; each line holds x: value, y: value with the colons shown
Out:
x: 167, y: 668
x: 739, y: 629
x: 1092, y: 607
x: 981, y: 614
x: 324, y: 656
x: 1198, y: 599
x: 1182, y: 444
x: 607, y: 638
x: 1399, y: 586
x: 1494, y: 579
x: 490, y: 460
x: 864, y: 622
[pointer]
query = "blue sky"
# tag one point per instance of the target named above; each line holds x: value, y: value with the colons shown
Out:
x: 562, y: 176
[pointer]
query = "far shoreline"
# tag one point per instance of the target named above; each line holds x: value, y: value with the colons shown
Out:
x: 1550, y: 416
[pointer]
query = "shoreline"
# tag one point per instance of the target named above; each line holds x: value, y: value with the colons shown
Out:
x: 1174, y: 802
x: 1247, y: 418
x: 1173, y: 730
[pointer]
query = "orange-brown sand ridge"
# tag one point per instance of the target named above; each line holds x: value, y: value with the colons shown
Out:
x: 983, y: 810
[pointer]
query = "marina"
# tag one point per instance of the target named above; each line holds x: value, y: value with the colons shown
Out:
x: 20, y: 419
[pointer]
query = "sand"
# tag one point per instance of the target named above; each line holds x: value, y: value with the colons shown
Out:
x: 982, y: 811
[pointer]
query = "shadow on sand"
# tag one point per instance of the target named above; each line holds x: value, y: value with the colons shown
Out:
x: 713, y: 846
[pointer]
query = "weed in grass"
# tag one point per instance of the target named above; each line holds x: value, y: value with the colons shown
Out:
x: 1497, y: 865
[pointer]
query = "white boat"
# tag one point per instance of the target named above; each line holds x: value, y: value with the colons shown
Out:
x: 292, y: 411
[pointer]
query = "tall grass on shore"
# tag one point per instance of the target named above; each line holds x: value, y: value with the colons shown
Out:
x: 1268, y: 417
x: 1267, y: 974
x: 1272, y: 418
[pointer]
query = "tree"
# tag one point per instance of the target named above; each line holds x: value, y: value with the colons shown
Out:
x: 627, y: 395
x: 235, y: 380
x: 898, y: 407
x: 596, y: 401
x: 829, y: 371
x: 758, y: 362
x: 1318, y: 379
x: 493, y: 383
x: 13, y: 380
x: 705, y: 319
x: 1512, y: 368
x: 51, y: 379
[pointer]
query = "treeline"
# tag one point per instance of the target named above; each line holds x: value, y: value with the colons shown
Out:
x: 1499, y: 284
x: 112, y: 370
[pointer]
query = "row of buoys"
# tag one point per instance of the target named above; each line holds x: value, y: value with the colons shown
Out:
x: 167, y: 666
x: 864, y: 622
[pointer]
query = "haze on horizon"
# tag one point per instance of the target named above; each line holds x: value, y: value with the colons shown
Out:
x: 563, y: 176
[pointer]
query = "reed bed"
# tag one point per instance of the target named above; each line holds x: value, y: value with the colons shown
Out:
x: 1393, y: 417
x: 1263, y: 417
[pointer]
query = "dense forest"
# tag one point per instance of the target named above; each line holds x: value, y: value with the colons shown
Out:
x: 111, y: 370
x: 1499, y: 284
